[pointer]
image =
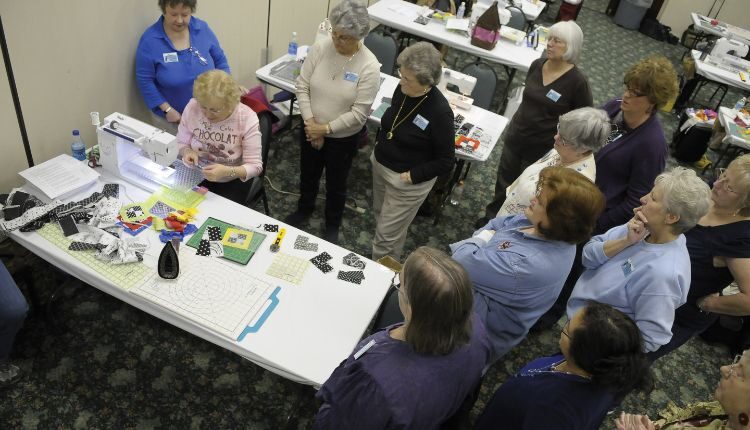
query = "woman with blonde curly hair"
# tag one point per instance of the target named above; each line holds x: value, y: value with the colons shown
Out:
x: 221, y: 135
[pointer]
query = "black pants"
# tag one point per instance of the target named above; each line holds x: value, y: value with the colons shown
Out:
x: 512, y: 163
x: 695, y: 323
x: 234, y: 190
x: 336, y: 157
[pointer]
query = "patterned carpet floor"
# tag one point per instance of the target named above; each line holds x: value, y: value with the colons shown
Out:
x: 92, y: 361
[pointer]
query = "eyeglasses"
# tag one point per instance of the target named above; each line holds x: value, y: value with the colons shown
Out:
x: 733, y: 366
x: 721, y: 176
x: 197, y: 54
x: 632, y: 92
x: 341, y: 37
x: 562, y: 141
x: 402, y: 76
x: 396, y: 282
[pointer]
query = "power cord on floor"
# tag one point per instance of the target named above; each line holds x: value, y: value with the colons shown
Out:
x: 352, y: 206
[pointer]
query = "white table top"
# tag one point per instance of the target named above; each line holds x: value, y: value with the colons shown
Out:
x: 314, y: 327
x: 489, y: 122
x: 726, y: 117
x: 531, y: 10
x: 723, y: 29
x: 400, y: 15
x: 722, y: 74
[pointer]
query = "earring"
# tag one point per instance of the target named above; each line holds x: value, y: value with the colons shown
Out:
x: 743, y: 418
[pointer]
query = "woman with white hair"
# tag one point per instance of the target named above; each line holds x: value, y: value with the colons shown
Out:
x: 554, y: 86
x: 415, y: 146
x: 580, y: 133
x: 642, y: 268
x: 336, y: 87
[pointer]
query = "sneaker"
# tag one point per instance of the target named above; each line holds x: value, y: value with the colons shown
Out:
x: 702, y: 164
x: 296, y: 219
x: 332, y: 234
x: 9, y: 374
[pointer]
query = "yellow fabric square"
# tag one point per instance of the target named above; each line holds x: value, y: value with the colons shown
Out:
x: 237, y: 238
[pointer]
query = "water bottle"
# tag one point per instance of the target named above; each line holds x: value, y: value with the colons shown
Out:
x: 740, y: 103
x: 293, y: 44
x: 77, y: 147
x: 456, y: 193
x: 461, y: 10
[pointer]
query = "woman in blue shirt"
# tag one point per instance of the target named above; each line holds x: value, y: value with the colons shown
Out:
x: 170, y: 55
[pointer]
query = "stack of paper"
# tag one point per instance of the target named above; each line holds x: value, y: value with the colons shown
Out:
x: 59, y: 176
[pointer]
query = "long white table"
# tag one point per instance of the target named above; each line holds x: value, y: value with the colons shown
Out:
x: 713, y: 69
x: 314, y: 325
x: 400, y: 15
x: 491, y: 123
x: 721, y: 29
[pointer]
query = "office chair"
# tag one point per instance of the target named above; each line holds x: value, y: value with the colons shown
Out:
x: 484, y: 90
x: 257, y: 188
x: 517, y: 18
x: 385, y: 48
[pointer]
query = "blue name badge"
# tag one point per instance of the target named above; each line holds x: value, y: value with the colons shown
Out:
x: 421, y: 122
x: 627, y: 268
x: 553, y: 95
x: 170, y: 57
x: 351, y: 76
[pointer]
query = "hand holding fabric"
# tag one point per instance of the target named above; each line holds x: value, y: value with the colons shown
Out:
x: 214, y: 172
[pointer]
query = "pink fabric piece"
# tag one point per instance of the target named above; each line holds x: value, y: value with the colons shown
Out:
x: 232, y: 142
x: 486, y: 35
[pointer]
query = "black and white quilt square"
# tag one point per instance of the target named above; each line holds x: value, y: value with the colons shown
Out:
x: 353, y: 260
x: 354, y: 277
x: 214, y: 233
x: 273, y: 228
x: 323, y: 257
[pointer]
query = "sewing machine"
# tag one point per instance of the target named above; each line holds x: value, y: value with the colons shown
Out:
x: 136, y: 151
x: 463, y: 82
x: 724, y: 48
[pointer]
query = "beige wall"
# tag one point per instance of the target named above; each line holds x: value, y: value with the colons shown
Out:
x: 302, y: 16
x: 676, y: 13
x: 736, y: 12
x: 77, y: 56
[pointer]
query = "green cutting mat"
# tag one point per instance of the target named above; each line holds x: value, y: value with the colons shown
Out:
x: 241, y: 256
x: 125, y: 276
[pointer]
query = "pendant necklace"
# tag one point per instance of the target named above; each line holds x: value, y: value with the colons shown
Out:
x: 396, y: 122
x: 333, y: 78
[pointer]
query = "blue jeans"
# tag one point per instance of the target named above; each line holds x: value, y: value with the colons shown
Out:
x: 13, y: 308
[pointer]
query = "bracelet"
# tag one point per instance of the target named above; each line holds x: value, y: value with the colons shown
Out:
x: 166, y: 111
x: 232, y: 173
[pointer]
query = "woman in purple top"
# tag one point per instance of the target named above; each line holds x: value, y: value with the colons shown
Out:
x: 601, y: 360
x: 636, y: 150
x: 719, y: 248
x: 414, y: 375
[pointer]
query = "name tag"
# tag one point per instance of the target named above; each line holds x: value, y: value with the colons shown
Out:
x: 627, y: 268
x: 351, y: 76
x: 170, y: 57
x: 421, y: 122
x: 553, y: 95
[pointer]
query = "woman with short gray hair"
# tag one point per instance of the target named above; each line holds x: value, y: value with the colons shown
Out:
x: 580, y: 133
x: 643, y: 268
x: 336, y: 87
x: 414, y: 147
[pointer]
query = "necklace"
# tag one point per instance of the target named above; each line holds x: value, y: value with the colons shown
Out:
x: 333, y: 77
x: 396, y: 122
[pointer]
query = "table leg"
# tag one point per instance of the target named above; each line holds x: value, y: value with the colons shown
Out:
x: 511, y: 74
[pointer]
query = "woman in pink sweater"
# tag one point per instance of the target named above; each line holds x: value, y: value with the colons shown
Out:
x: 220, y: 135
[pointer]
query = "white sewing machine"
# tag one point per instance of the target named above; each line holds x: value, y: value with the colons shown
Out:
x: 465, y: 84
x: 724, y: 48
x: 136, y: 151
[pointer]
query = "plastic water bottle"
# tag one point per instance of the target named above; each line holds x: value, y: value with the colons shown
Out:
x: 740, y: 103
x: 293, y: 44
x: 461, y: 10
x: 456, y: 193
x: 77, y: 148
